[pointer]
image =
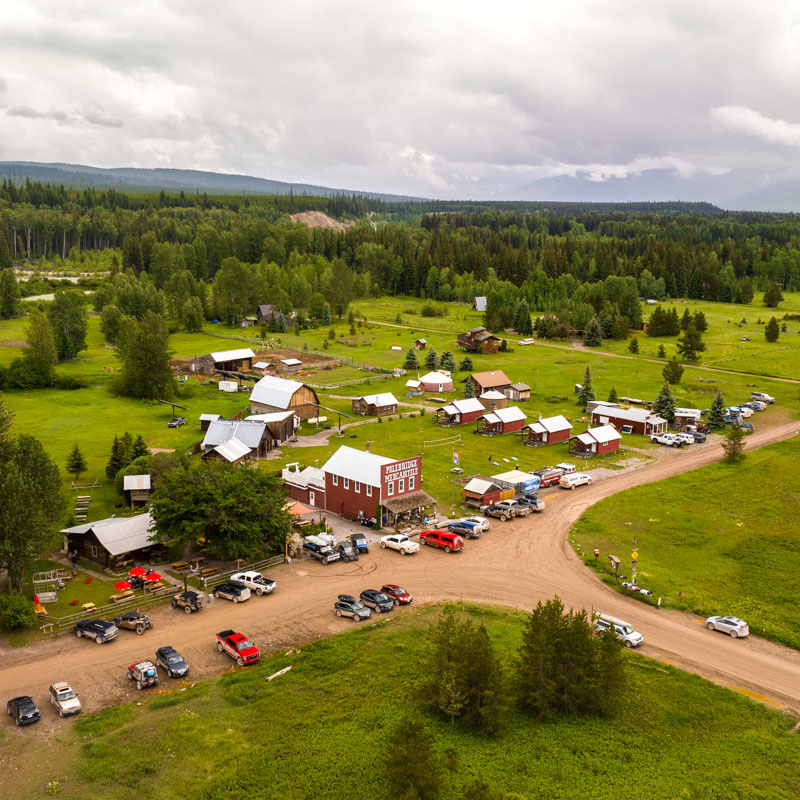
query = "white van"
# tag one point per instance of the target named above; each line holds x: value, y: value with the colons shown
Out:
x: 624, y: 630
x: 574, y: 479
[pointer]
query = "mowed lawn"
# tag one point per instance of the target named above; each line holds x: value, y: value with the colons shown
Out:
x: 719, y: 540
x: 675, y: 735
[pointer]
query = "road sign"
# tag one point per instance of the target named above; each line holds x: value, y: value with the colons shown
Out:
x: 635, y: 555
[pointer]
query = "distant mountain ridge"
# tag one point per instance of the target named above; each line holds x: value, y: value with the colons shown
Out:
x: 187, y: 180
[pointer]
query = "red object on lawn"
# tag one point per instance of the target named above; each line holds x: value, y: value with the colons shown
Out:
x: 122, y: 586
x: 152, y: 577
x: 36, y: 599
x: 137, y: 571
x: 88, y: 580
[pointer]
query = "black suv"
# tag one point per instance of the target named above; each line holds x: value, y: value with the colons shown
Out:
x: 98, y: 629
x: 377, y: 600
x: 23, y: 710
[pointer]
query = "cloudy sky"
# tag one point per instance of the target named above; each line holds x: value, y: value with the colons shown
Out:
x: 427, y: 98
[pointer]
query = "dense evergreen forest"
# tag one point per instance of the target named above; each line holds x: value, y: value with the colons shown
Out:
x: 569, y: 260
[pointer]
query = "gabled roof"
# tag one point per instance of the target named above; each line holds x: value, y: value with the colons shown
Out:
x: 356, y: 465
x: 435, y: 377
x: 381, y: 399
x: 273, y: 416
x: 413, y: 384
x: 515, y: 476
x: 291, y: 362
x: 135, y: 482
x: 309, y: 477
x: 272, y: 391
x: 480, y: 303
x: 249, y: 432
x: 463, y: 406
x: 554, y: 424
x: 476, y: 330
x: 233, y: 355
x: 232, y: 450
x: 521, y: 387
x: 260, y: 365
x: 604, y: 434
x: 628, y: 414
x: 209, y: 417
x: 480, y: 486
x: 505, y: 415
x: 424, y: 341
x: 119, y: 534
x: 494, y: 378
x: 688, y: 412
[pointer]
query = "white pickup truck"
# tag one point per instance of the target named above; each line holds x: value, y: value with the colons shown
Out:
x: 255, y: 582
x: 669, y: 439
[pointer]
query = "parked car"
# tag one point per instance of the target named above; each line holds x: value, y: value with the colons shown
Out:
x: 23, y: 710
x: 319, y: 549
x: 733, y: 626
x: 532, y: 501
x: 400, y: 596
x: 377, y: 601
x: 686, y: 438
x: 238, y: 647
x: 176, y: 422
x: 746, y: 426
x: 525, y: 341
x: 481, y: 523
x: 255, y: 582
x: 347, y: 552
x: 756, y: 405
x: 98, y: 629
x: 741, y: 410
x: 467, y: 529
x: 348, y: 606
x: 360, y: 542
x: 171, y: 661
x: 698, y: 436
x: 64, y: 699
x: 763, y: 397
x: 396, y: 541
x: 669, y: 439
x: 624, y: 630
x: 133, y: 621
x: 188, y: 601
x: 232, y: 590
x: 144, y: 673
x: 445, y: 540
x: 574, y: 479
x: 506, y: 509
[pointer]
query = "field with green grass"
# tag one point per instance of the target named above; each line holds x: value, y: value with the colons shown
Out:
x: 720, y: 540
x: 676, y: 735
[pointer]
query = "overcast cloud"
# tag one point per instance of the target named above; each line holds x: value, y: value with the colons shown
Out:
x: 428, y: 98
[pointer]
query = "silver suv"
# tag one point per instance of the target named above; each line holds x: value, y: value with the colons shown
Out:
x: 624, y: 630
x: 64, y: 699
x: 733, y: 626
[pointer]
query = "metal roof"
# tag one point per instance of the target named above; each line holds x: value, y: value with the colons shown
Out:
x: 382, y: 399
x: 521, y: 387
x: 232, y: 450
x: 605, y: 434
x: 209, y: 417
x: 272, y: 391
x: 291, y: 362
x: 413, y: 384
x: 233, y: 355
x: 260, y: 365
x: 479, y: 486
x: 510, y: 414
x: 464, y: 406
x: 247, y: 431
x: 135, y: 482
x: 119, y: 535
x: 688, y: 412
x: 493, y: 394
x: 557, y: 423
x: 628, y: 414
x: 436, y: 377
x: 356, y: 465
x: 272, y: 416
x: 495, y: 378
x: 514, y: 476
x: 310, y: 477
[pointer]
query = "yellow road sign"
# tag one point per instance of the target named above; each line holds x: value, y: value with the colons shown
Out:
x: 635, y: 555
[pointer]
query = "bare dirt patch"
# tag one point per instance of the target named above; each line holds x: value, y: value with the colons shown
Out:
x: 318, y: 219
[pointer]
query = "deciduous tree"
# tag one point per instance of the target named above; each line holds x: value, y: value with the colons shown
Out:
x: 9, y: 294
x: 143, y: 347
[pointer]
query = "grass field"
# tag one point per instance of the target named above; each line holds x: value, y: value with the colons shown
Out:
x: 676, y: 735
x: 720, y: 540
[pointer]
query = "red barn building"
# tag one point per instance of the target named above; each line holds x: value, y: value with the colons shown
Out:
x: 547, y: 431
x: 460, y: 412
x: 502, y: 420
x: 595, y: 441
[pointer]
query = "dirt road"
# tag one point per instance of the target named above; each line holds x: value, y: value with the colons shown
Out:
x: 515, y: 564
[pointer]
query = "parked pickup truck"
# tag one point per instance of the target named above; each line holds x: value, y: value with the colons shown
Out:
x: 506, y: 509
x: 238, y: 647
x: 255, y: 582
x: 668, y: 439
x: 322, y: 551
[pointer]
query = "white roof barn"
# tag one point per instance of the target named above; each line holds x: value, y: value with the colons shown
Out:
x: 506, y: 415
x: 272, y: 391
x: 551, y: 424
x: 466, y: 406
x: 232, y: 355
x: 381, y: 399
x: 232, y: 451
x: 132, y: 483
x: 356, y: 465
x: 119, y: 535
x: 247, y: 432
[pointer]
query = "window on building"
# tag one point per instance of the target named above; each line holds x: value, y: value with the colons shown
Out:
x: 401, y: 485
x: 411, y: 484
x: 94, y: 551
x: 369, y: 491
x: 390, y: 488
x: 357, y: 486
x: 335, y: 480
x: 347, y: 483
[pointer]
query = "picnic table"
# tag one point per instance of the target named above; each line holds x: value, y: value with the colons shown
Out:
x: 208, y: 571
x: 118, y: 598
x: 180, y: 566
x: 88, y: 606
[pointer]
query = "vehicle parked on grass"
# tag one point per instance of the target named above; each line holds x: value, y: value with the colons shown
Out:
x: 144, y: 673
x: 444, y: 540
x: 763, y: 397
x: 574, y: 479
x: 506, y: 509
x: 624, y: 630
x: 255, y: 582
x: 735, y: 628
x: 468, y: 529
x: 359, y: 541
x: 171, y: 661
x: 347, y: 552
x: 532, y: 501
x: 100, y: 630
x: 347, y: 606
x: 133, y: 621
x: 756, y: 405
x: 23, y: 710
x: 686, y: 438
x: 319, y: 549
x: 743, y: 411
x: 377, y: 601
x: 481, y: 523
x: 697, y: 427
x: 396, y: 541
x: 232, y: 590
x: 64, y: 699
x: 668, y: 439
x: 746, y: 426
x: 238, y: 647
x: 400, y: 596
x: 176, y: 422
x: 188, y: 601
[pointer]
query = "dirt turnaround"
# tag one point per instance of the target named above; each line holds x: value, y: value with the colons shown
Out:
x: 515, y: 564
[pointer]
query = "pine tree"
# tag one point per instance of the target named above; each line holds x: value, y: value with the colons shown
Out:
x: 664, y: 404
x: 503, y: 346
x: 466, y: 364
x: 40, y: 355
x: 686, y: 319
x: 76, y: 463
x: 716, y: 413
x: 469, y: 387
x: 9, y: 294
x: 448, y: 361
x: 772, y: 331
x: 700, y: 322
x: 673, y: 371
x: 411, y: 362
x: 633, y: 347
x: 733, y: 445
x: 115, y: 463
x: 432, y: 359
x: 522, y: 319
x: 657, y: 324
x: 139, y: 448
x: 773, y: 295
x: 126, y: 449
x: 611, y: 680
x: 690, y: 345
x: 5, y: 253
x: 593, y: 335
x: 673, y: 324
x: 662, y: 353
x: 612, y: 395
x: 587, y: 391
x: 412, y: 768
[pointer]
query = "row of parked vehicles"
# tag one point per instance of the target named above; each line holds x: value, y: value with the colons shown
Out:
x: 378, y: 600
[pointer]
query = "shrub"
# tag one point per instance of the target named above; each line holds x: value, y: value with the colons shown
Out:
x: 16, y: 612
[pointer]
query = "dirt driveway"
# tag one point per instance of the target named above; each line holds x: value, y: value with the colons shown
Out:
x: 514, y: 564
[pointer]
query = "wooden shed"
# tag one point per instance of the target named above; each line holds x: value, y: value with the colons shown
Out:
x: 375, y: 405
x: 420, y: 344
x: 138, y: 488
x: 481, y: 492
x: 281, y: 394
x: 115, y: 541
x: 518, y: 392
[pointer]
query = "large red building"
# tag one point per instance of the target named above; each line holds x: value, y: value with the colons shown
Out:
x: 360, y: 485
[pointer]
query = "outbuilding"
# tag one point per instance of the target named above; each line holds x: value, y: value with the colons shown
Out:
x: 548, y: 430
x: 437, y: 382
x: 460, y: 412
x: 517, y: 481
x: 595, y: 441
x: 518, y: 392
x: 113, y: 542
x: 291, y: 364
x: 420, y: 344
x: 138, y: 488
x: 375, y: 405
x: 503, y: 420
x: 281, y: 394
x: 414, y: 387
x: 281, y: 425
x: 306, y: 485
x: 632, y: 420
x: 234, y: 360
x: 207, y: 419
x: 252, y: 438
x: 686, y: 416
x: 493, y: 399
x: 478, y: 340
x: 482, y: 492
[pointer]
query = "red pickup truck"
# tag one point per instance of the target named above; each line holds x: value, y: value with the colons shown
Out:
x: 238, y: 647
